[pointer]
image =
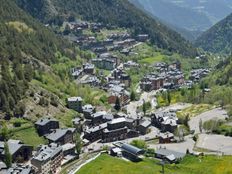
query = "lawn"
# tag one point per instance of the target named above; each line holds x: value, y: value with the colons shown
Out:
x: 194, y: 110
x: 28, y: 136
x: 66, y: 118
x: 150, y: 60
x: 190, y: 165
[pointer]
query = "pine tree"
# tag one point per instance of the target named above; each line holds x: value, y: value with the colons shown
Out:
x: 78, y: 144
x: 200, y: 125
x: 28, y: 72
x: 4, y: 103
x: 4, y: 133
x: 144, y: 108
x: 169, y: 98
x: 132, y: 95
x: 8, y: 156
x: 117, y: 105
x: 11, y: 102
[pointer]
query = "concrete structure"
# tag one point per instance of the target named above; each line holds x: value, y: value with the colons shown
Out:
x: 75, y: 103
x: 48, y: 159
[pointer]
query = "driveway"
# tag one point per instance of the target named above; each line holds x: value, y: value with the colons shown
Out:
x: 176, y: 107
x: 217, y: 113
x: 178, y: 147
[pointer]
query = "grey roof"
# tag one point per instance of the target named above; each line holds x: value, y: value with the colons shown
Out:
x: 74, y: 99
x: 98, y: 114
x: 44, y: 121
x: 146, y: 123
x: 129, y: 120
x: 166, y: 135
x: 117, y: 120
x: 88, y: 108
x: 108, y: 117
x: 132, y: 149
x: 2, y: 165
x: 19, y: 169
x: 46, y: 152
x: 14, y: 146
x: 76, y: 120
x: 58, y: 133
x: 97, y: 128
x: 167, y: 152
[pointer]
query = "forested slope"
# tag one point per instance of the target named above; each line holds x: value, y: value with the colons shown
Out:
x: 119, y: 13
x: 24, y: 42
x: 217, y: 39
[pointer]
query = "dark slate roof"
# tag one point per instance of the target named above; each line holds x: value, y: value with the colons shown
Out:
x: 132, y: 149
x: 146, y: 123
x: 19, y: 169
x: 47, y: 152
x: 167, y: 152
x: 44, y: 121
x: 14, y: 146
x: 58, y: 133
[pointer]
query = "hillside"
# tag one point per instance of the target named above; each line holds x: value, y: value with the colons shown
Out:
x: 192, y: 16
x: 25, y: 45
x: 218, y: 38
x: 119, y: 13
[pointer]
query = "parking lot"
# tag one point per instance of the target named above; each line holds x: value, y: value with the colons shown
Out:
x: 218, y: 143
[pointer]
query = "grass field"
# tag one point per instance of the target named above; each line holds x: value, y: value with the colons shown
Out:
x: 194, y: 110
x: 28, y: 136
x: 190, y: 165
x: 150, y: 60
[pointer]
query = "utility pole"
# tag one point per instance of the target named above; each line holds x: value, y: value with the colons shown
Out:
x: 162, y: 163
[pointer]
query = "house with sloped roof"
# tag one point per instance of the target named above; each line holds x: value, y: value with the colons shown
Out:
x: 45, y: 125
x: 166, y: 121
x: 75, y: 103
x: 19, y: 151
x: 61, y: 136
x: 169, y: 155
x: 143, y: 128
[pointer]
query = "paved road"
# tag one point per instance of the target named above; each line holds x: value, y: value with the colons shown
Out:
x: 219, y: 143
x: 217, y: 113
x: 178, y: 147
x: 176, y: 107
x: 145, y: 96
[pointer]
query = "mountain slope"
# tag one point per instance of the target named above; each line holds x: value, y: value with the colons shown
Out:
x: 217, y: 39
x: 25, y: 44
x: 118, y: 13
x: 176, y: 15
x: 192, y: 16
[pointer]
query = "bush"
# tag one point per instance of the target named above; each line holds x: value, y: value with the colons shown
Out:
x: 139, y: 144
x: 17, y: 124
